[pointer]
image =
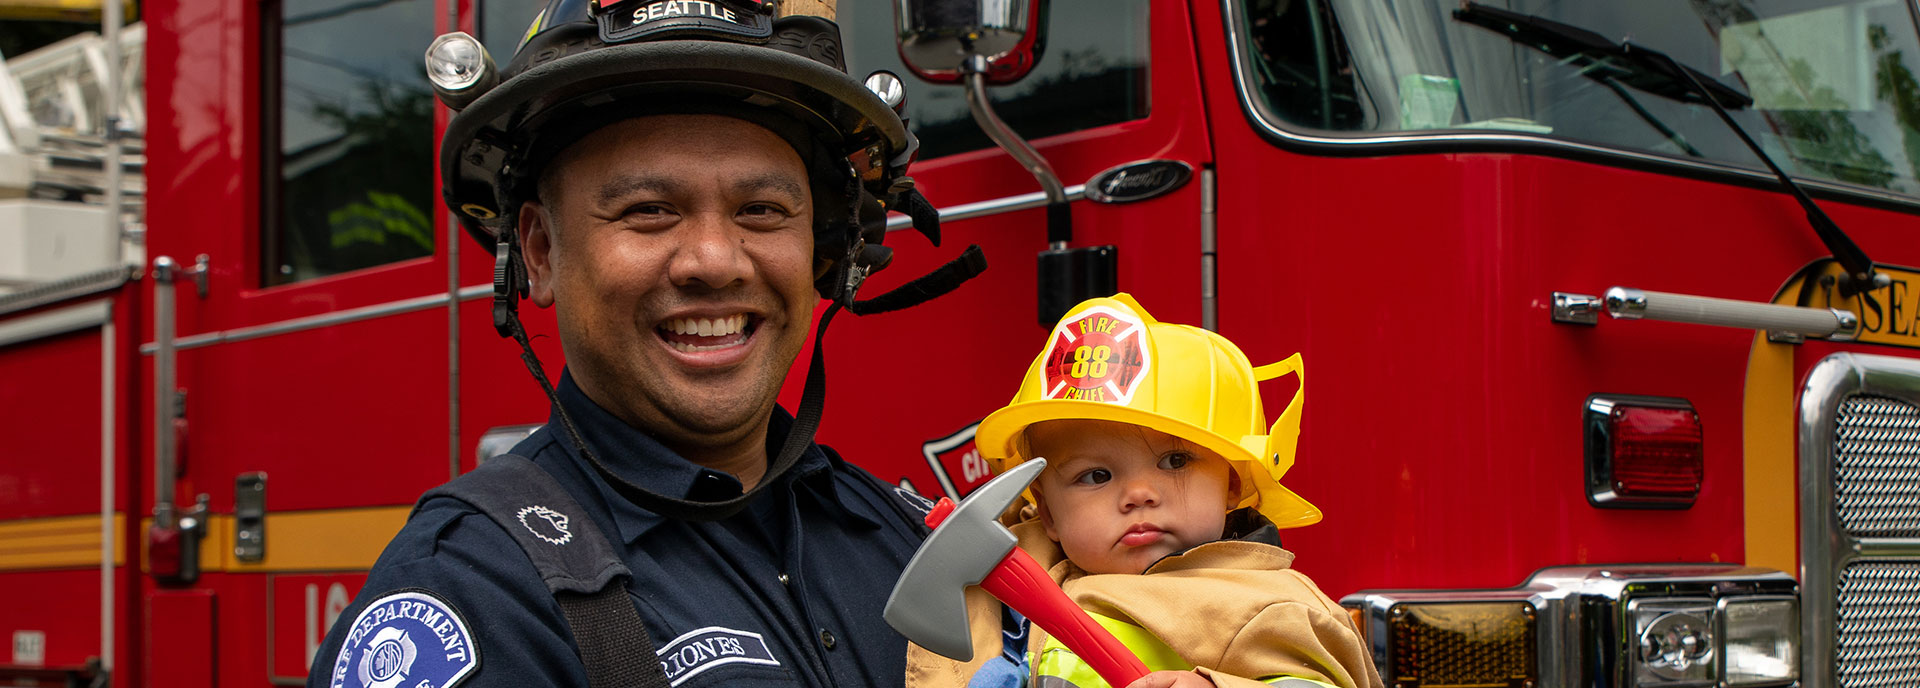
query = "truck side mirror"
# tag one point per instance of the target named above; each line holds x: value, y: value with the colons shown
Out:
x: 938, y: 37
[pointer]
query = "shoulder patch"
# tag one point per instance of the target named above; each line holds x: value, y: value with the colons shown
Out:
x: 547, y: 524
x: 406, y: 639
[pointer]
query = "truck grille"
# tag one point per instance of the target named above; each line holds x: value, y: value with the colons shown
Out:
x: 1877, y: 467
x: 1860, y: 522
x: 1876, y: 481
x: 1874, y: 645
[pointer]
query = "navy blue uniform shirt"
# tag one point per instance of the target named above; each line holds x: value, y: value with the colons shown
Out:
x: 786, y: 592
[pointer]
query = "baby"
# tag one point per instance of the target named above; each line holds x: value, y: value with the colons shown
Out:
x: 1159, y: 514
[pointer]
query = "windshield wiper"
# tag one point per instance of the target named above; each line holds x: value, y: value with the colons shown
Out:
x: 1645, y: 116
x: 1580, y: 47
x: 1662, y: 75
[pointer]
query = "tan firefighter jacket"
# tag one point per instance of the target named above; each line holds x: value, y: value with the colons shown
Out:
x: 1234, y: 610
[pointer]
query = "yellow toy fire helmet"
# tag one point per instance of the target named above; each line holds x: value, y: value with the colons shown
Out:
x: 1109, y: 360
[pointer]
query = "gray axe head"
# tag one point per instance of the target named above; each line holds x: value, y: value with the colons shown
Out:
x: 929, y: 603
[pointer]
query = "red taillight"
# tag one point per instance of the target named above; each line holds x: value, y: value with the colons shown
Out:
x: 1657, y: 452
x: 1643, y: 452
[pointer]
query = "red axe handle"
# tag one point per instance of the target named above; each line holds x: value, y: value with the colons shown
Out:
x: 1020, y: 583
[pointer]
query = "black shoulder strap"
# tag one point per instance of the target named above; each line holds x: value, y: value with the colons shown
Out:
x: 576, y: 561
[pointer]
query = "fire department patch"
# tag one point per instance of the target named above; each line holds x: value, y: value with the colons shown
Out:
x: 1099, y: 356
x: 408, y: 638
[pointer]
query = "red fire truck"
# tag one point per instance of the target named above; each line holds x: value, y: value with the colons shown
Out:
x: 1595, y: 400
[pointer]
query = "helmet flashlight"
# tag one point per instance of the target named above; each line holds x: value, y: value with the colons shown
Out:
x: 460, y: 69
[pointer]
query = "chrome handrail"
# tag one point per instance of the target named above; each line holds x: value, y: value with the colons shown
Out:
x: 165, y: 271
x: 1625, y: 303
x: 992, y: 206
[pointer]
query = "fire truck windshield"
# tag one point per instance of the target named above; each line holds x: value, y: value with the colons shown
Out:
x: 1832, y: 85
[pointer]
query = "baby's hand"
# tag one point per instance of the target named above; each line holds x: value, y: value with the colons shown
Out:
x: 1171, y: 679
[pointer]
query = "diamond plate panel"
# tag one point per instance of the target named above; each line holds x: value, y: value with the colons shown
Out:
x: 1877, y: 467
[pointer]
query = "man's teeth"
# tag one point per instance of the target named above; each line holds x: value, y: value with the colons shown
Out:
x: 731, y: 327
x: 707, y: 327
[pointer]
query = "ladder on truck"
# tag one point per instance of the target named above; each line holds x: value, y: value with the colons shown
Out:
x: 55, y: 235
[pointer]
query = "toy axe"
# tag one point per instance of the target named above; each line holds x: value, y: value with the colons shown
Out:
x: 970, y: 547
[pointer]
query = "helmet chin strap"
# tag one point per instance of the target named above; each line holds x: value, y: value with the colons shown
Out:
x: 509, y: 284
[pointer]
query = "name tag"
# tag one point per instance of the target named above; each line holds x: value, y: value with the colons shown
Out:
x: 699, y: 650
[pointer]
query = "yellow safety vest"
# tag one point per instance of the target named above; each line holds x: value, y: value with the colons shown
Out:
x: 1055, y: 666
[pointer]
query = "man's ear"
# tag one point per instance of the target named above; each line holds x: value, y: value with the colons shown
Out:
x: 1236, y: 487
x: 535, y: 230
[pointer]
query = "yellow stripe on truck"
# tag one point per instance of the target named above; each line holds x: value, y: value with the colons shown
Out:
x: 320, y: 540
x: 335, y: 539
x: 58, y: 542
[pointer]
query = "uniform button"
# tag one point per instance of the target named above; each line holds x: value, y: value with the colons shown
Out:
x: 712, y: 486
x: 783, y: 579
x: 826, y: 638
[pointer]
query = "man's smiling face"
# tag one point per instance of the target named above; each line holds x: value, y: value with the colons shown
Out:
x: 678, y: 250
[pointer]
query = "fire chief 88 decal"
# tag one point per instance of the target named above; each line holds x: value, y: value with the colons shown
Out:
x: 1099, y: 356
x: 406, y: 639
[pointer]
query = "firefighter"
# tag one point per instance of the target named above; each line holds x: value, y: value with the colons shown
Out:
x: 681, y: 181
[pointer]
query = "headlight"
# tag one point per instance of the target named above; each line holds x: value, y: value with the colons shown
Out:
x: 1628, y: 625
x: 1762, y: 640
x: 1673, y: 641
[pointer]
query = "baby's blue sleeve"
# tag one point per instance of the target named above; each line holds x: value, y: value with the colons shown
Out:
x: 1009, y: 670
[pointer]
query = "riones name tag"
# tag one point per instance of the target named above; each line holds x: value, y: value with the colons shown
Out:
x: 704, y: 649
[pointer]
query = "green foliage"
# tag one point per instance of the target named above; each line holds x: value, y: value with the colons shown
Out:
x: 1895, y: 84
x: 361, y: 198
x: 1822, y: 137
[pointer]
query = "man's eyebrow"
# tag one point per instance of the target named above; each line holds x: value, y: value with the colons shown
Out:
x: 614, y: 189
x: 772, y: 181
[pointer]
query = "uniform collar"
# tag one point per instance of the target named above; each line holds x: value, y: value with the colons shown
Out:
x: 1247, y: 523
x: 637, y: 457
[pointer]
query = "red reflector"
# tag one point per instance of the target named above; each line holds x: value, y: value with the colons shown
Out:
x: 1657, y: 452
x: 1644, y: 452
